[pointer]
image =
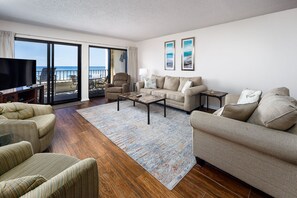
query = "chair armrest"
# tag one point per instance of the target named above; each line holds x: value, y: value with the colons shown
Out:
x: 231, y: 98
x: 14, y: 154
x: 279, y: 144
x: 195, y: 90
x: 22, y: 130
x: 139, y: 85
x: 39, y: 109
x: 108, y: 85
x: 79, y: 180
x: 126, y: 87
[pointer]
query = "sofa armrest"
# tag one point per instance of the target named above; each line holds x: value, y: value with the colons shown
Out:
x: 107, y: 85
x: 279, y: 144
x: 231, y: 98
x: 22, y: 130
x: 40, y: 109
x: 195, y: 90
x: 139, y: 85
x: 126, y: 87
x: 79, y: 180
x: 13, y: 154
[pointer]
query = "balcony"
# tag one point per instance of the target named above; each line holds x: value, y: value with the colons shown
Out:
x: 65, y: 83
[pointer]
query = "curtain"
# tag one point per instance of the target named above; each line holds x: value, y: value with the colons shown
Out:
x: 132, y: 65
x: 7, y: 44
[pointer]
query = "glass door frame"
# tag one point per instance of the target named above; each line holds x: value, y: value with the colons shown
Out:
x: 109, y: 59
x: 50, y: 66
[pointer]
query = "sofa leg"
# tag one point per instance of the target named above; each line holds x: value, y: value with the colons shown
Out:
x: 200, y: 161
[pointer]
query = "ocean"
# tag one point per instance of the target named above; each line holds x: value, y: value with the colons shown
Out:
x: 70, y: 68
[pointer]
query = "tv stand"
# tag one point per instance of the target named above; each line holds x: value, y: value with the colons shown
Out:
x: 34, y: 94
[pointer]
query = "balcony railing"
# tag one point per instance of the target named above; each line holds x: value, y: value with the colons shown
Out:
x: 65, y: 75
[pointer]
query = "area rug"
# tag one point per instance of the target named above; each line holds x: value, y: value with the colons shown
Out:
x: 163, y: 148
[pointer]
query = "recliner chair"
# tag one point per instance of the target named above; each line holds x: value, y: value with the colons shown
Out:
x: 121, y: 84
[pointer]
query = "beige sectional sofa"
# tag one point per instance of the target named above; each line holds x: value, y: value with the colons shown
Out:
x: 30, y: 122
x: 171, y: 87
x: 263, y: 157
x: 24, y: 174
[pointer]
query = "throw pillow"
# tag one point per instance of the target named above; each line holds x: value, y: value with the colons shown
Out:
x: 280, y: 91
x: 171, y: 83
x: 187, y: 85
x: 160, y: 81
x: 249, y: 96
x: 240, y: 112
x: 15, y: 188
x: 276, y: 112
x: 150, y: 83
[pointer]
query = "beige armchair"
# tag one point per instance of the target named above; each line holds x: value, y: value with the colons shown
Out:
x: 121, y: 84
x: 23, y: 174
x: 31, y: 122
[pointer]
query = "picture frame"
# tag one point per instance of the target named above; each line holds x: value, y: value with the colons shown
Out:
x: 169, y: 55
x: 188, y: 54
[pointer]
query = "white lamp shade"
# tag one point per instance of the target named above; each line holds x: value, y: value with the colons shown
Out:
x: 143, y: 71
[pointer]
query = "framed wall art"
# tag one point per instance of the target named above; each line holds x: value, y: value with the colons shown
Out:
x: 188, y: 54
x: 169, y: 55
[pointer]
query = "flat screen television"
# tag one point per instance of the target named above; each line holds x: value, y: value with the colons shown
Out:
x: 17, y: 73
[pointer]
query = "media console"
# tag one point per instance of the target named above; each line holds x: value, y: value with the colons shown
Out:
x: 34, y: 94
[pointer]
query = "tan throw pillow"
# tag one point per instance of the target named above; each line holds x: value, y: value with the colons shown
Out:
x: 280, y: 91
x: 15, y: 188
x: 276, y: 112
x: 171, y: 83
x: 249, y: 96
x: 240, y: 112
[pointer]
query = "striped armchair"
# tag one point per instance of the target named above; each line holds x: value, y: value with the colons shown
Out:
x: 28, y: 122
x: 23, y: 174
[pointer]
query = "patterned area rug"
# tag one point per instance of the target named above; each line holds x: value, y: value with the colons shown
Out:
x: 163, y: 148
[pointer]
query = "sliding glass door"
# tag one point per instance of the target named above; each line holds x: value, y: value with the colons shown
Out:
x: 103, y: 64
x: 58, y: 68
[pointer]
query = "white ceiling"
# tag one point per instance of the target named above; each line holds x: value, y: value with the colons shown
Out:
x: 136, y: 19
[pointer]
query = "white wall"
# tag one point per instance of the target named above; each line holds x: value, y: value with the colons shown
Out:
x: 53, y: 34
x: 256, y: 53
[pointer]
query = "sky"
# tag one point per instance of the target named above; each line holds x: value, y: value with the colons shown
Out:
x: 65, y: 55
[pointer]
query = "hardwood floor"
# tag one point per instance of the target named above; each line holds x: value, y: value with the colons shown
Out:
x: 121, y: 176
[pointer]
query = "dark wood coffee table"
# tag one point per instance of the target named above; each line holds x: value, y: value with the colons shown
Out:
x: 143, y: 99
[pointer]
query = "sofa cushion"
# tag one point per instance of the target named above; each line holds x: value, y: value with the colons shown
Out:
x: 195, y: 80
x: 276, y: 112
x: 171, y: 83
x: 150, y: 83
x: 44, y: 123
x: 159, y: 80
x: 16, y: 111
x: 159, y: 92
x: 187, y: 85
x: 146, y: 91
x: 249, y: 96
x: 240, y: 112
x: 176, y: 96
x: 46, y: 164
x: 293, y: 129
x: 17, y: 187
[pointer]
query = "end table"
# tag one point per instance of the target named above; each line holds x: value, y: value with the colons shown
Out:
x: 215, y: 94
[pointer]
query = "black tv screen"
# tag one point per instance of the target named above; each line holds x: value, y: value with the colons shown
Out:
x: 17, y: 73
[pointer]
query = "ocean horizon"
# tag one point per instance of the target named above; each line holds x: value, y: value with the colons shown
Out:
x: 70, y: 68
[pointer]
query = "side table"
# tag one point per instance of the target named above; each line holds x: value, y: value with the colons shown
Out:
x: 215, y: 94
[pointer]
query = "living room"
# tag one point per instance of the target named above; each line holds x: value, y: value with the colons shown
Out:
x: 254, y: 51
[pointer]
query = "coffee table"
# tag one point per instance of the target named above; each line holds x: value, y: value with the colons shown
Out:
x: 143, y: 99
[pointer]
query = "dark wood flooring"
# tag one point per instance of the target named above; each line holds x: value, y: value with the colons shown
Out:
x: 121, y: 176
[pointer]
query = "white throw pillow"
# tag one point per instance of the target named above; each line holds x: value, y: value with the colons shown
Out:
x: 249, y: 96
x: 187, y: 85
x: 150, y: 83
